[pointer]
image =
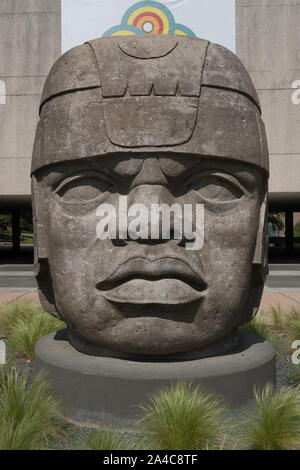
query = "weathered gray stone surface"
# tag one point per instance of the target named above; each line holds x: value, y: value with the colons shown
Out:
x: 163, y: 120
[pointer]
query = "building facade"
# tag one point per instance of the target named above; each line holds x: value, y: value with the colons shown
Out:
x: 30, y: 41
x: 267, y: 41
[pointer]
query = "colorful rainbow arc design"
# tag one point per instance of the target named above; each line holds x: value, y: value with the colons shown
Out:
x: 148, y: 17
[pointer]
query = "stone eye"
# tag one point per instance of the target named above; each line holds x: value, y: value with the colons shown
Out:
x: 84, y: 189
x: 216, y: 189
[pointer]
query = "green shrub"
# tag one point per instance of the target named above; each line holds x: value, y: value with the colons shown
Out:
x: 183, y: 417
x: 107, y: 439
x: 274, y: 422
x: 28, y: 411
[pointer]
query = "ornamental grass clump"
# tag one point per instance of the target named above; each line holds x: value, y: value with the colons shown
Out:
x: 12, y: 312
x: 258, y: 327
x: 28, y: 411
x: 27, y: 331
x: 184, y: 417
x: 274, y: 421
x: 24, y: 324
x: 293, y: 324
x: 106, y: 439
x: 278, y: 316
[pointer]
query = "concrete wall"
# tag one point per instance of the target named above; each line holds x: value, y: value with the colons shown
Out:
x: 30, y: 42
x: 268, y: 42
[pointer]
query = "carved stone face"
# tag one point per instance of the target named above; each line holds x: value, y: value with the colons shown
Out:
x: 151, y: 297
x: 197, y: 139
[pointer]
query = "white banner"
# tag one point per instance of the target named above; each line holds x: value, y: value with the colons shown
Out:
x: 83, y: 20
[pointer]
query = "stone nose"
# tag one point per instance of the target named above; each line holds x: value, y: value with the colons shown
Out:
x: 148, y: 194
x: 157, y: 210
x: 150, y: 189
x: 150, y: 173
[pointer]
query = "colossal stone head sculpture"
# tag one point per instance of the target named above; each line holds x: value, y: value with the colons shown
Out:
x: 160, y: 120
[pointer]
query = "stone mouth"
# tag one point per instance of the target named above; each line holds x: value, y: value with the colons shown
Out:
x: 112, y: 284
x: 152, y: 270
x: 164, y: 290
x: 165, y: 280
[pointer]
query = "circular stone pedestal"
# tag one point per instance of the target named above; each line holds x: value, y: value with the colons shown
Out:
x: 103, y: 388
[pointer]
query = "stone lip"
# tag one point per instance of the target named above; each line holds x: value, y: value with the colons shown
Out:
x: 111, y: 389
x: 168, y: 291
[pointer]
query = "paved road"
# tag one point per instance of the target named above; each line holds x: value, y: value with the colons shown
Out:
x: 19, y: 277
x: 283, y: 277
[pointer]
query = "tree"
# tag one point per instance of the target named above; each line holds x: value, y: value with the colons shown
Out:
x: 297, y: 229
x: 277, y: 221
x: 26, y: 223
x: 5, y: 222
